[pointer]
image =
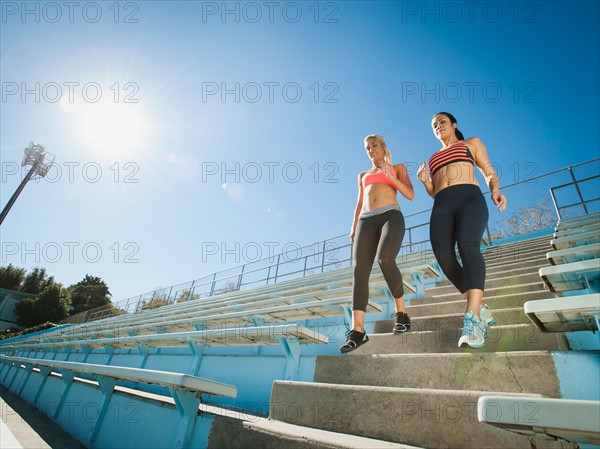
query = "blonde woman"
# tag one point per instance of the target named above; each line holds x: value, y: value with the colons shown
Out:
x: 377, y: 231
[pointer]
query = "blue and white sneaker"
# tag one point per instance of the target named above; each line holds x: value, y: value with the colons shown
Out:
x: 473, y: 332
x: 485, y: 315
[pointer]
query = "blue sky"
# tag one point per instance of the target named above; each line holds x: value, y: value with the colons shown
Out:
x: 172, y: 101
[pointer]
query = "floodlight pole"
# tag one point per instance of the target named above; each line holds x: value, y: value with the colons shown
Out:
x: 15, y: 195
x: 34, y: 154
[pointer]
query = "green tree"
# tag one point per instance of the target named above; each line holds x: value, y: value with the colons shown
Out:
x: 11, y: 277
x: 89, y: 293
x: 51, y: 305
x: 36, y: 281
x: 26, y: 314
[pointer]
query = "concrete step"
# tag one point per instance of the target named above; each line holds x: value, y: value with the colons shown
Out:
x: 255, y: 432
x: 516, y: 253
x: 522, y: 246
x: 503, y: 256
x: 420, y: 417
x: 517, y: 372
x: 514, y: 315
x: 516, y: 269
x: 451, y: 307
x: 490, y: 284
x: 444, y: 294
x: 513, y: 337
x: 518, y: 247
x: 496, y: 302
x: 539, y: 252
x: 492, y: 267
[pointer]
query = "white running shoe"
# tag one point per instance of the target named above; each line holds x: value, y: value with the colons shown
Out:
x: 485, y: 315
x: 473, y: 332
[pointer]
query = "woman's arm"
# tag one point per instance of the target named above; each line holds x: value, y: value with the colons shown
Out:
x: 425, y: 178
x: 487, y: 170
x: 358, y: 208
x: 402, y: 181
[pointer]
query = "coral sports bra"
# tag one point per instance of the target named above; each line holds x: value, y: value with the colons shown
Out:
x: 457, y: 152
x: 372, y: 178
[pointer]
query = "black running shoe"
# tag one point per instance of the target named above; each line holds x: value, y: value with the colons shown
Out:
x: 355, y: 339
x: 402, y: 322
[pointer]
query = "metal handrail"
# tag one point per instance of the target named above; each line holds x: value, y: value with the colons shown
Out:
x: 575, y: 183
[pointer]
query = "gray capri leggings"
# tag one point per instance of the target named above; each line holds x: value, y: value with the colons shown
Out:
x: 378, y: 234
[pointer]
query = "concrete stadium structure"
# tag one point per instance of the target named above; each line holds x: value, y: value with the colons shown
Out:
x: 260, y: 367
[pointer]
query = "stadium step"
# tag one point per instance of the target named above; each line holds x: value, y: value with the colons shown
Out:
x: 495, y: 260
x: 454, y: 319
x: 513, y: 337
x: 430, y: 418
x: 419, y: 388
x: 518, y: 248
x: 492, y: 285
x: 428, y: 308
x: 445, y: 294
x: 512, y: 298
x: 516, y: 372
x: 515, y: 269
x: 516, y: 253
x: 246, y: 431
x: 501, y: 266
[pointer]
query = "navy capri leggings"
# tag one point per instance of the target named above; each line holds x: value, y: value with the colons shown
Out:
x: 459, y: 217
x: 377, y: 235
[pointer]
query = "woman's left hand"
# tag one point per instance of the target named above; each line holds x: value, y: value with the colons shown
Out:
x: 499, y: 200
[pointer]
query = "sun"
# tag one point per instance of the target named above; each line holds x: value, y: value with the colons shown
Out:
x: 111, y: 128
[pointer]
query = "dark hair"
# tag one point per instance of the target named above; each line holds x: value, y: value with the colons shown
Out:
x: 452, y: 120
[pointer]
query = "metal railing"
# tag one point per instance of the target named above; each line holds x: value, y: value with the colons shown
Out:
x: 577, y: 185
x: 336, y: 252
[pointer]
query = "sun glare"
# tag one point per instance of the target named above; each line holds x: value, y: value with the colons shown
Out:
x: 113, y: 127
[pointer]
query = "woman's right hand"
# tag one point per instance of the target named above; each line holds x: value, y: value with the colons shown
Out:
x: 423, y: 173
x: 352, y: 237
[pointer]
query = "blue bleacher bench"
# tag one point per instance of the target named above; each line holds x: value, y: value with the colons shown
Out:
x: 572, y: 276
x: 574, y: 254
x: 577, y: 239
x: 578, y: 222
x: 290, y: 336
x: 561, y: 233
x: 567, y: 314
x: 186, y: 390
x: 575, y: 421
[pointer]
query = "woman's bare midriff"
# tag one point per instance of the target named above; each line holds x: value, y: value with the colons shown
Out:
x: 378, y: 195
x: 453, y: 174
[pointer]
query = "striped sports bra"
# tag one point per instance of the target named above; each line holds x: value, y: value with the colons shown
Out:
x: 372, y: 178
x: 457, y: 152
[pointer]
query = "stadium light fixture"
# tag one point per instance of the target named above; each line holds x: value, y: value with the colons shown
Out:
x: 40, y: 161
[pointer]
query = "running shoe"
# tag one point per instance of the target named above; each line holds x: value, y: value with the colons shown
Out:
x: 355, y: 339
x: 473, y: 332
x: 485, y: 314
x: 402, y: 322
